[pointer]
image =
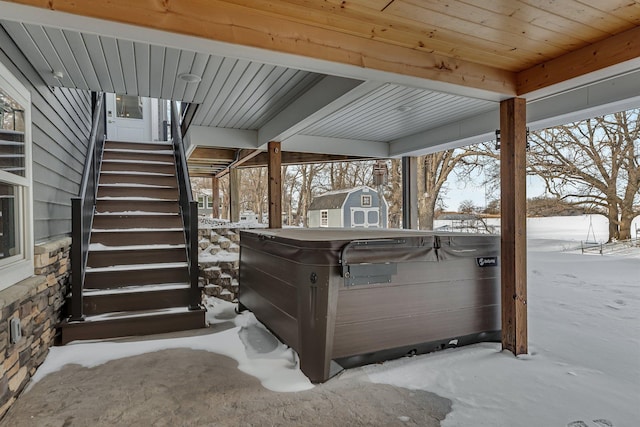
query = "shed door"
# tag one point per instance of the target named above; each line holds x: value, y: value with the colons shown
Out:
x: 365, y: 217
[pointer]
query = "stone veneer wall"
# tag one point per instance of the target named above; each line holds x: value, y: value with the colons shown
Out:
x: 38, y: 302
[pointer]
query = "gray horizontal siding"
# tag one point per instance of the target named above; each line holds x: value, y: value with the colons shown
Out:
x: 61, y: 121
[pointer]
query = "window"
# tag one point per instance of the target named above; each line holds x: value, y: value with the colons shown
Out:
x: 365, y: 201
x: 209, y: 202
x: 200, y: 202
x: 324, y: 218
x: 16, y: 241
x: 128, y: 107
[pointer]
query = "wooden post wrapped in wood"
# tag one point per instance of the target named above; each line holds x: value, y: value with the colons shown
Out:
x: 513, y: 150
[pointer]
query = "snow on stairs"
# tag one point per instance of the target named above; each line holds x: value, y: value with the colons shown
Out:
x: 137, y: 279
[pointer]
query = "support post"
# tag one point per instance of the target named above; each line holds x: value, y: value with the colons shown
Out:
x: 274, y: 173
x: 410, y: 193
x: 234, y: 195
x: 513, y: 202
x: 215, y: 197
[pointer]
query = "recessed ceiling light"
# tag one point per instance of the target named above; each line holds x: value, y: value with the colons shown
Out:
x: 189, y: 78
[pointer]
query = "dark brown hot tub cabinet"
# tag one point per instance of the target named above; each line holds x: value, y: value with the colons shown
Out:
x: 344, y: 297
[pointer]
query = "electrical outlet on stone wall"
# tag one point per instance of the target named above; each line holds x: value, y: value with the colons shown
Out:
x: 15, y: 329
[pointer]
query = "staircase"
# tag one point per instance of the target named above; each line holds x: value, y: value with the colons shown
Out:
x: 137, y: 276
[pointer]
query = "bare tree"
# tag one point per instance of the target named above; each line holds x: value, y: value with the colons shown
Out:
x: 593, y: 163
x: 436, y: 169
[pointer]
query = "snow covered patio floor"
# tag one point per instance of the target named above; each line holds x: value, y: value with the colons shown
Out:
x: 583, y: 369
x: 186, y: 386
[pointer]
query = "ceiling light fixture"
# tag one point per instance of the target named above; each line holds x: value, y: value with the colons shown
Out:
x: 404, y: 108
x: 190, y: 78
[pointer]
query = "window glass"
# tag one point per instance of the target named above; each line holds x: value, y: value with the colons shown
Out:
x: 324, y: 218
x: 200, y: 202
x: 9, y: 219
x: 128, y: 107
x: 366, y: 201
x: 11, y: 135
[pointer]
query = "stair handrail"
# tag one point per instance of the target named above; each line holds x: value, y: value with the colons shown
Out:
x: 188, y: 206
x: 83, y: 206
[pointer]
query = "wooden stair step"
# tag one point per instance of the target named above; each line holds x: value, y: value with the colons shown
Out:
x: 150, y: 297
x: 132, y: 324
x: 138, y: 236
x: 128, y: 206
x: 137, y: 179
x: 142, y: 145
x: 106, y: 258
x: 135, y: 275
x: 124, y: 220
x: 107, y: 191
x: 138, y: 166
x: 144, y: 155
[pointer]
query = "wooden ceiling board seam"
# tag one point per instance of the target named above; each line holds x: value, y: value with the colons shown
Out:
x: 185, y: 64
x: 478, y: 36
x: 156, y: 66
x: 570, y: 9
x: 142, y: 52
x: 61, y: 45
x: 498, y: 23
x: 128, y: 61
x: 404, y: 32
x: 94, y: 49
x: 171, y: 59
x: 199, y: 65
x: 81, y: 55
x: 529, y: 15
x: 114, y: 63
x: 623, y: 9
x: 238, y: 89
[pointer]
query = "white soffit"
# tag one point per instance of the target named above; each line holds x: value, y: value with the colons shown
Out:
x: 394, y: 111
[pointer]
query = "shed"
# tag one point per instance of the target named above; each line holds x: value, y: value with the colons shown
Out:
x: 349, y: 208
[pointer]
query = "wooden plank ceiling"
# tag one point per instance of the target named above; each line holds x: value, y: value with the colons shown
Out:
x: 489, y: 44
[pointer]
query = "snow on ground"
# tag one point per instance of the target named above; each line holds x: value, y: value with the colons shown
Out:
x: 584, y: 346
x: 257, y: 352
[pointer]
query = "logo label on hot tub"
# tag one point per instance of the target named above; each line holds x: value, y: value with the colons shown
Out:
x: 490, y: 261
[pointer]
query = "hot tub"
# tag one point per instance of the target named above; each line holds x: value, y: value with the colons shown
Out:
x: 344, y: 297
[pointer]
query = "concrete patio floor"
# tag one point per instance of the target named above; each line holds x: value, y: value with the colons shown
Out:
x: 185, y: 387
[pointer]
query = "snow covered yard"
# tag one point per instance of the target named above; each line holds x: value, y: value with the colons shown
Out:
x: 584, y: 353
x: 583, y: 366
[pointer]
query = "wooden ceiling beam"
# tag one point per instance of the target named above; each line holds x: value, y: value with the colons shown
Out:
x: 244, y: 25
x: 212, y: 154
x: 597, y: 56
x: 296, y: 158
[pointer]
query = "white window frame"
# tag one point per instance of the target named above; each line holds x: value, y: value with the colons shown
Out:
x: 20, y: 266
x: 201, y: 202
x: 324, y: 222
x: 362, y: 199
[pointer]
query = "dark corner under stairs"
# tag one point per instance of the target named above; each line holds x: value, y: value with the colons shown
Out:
x: 137, y: 276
